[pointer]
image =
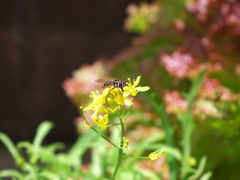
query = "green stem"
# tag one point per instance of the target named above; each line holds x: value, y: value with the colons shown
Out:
x: 94, y: 129
x: 187, y: 125
x: 159, y: 108
x: 120, y: 151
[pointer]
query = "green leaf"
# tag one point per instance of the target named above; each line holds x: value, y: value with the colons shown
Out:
x: 200, y: 169
x: 98, y: 158
x: 11, y: 173
x: 151, y: 142
x: 11, y: 148
x: 185, y: 95
x: 137, y: 173
x: 83, y: 142
x: 55, y: 146
x: 195, y: 86
x: 48, y: 175
x: 206, y: 176
x: 154, y: 138
x: 42, y: 130
x: 150, y: 175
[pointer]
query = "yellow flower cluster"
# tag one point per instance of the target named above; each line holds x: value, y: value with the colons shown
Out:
x: 112, y: 100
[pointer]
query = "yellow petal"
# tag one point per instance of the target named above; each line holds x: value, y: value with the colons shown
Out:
x: 128, y: 102
x: 137, y: 81
x: 156, y: 154
x: 145, y: 88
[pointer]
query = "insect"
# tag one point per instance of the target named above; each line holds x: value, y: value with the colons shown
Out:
x: 115, y: 83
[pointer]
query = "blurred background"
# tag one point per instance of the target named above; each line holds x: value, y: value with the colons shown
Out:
x: 41, y: 43
x: 52, y: 53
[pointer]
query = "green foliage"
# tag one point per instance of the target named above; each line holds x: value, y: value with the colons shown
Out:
x: 38, y: 161
x: 43, y: 162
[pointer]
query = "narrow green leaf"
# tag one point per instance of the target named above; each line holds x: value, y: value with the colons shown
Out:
x: 24, y: 144
x: 42, y: 130
x: 194, y: 87
x: 150, y: 175
x: 98, y: 160
x: 81, y: 145
x: 185, y: 95
x: 55, y: 146
x: 150, y: 143
x: 11, y: 148
x: 11, y: 173
x: 136, y: 173
x: 206, y: 176
x: 48, y: 175
x: 200, y: 169
x: 154, y: 138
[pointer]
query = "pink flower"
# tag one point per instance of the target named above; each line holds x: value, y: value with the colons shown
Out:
x: 174, y: 102
x: 212, y: 89
x: 83, y: 79
x: 178, y: 64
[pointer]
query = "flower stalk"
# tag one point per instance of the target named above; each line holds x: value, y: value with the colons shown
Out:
x: 120, y: 151
x: 188, y: 125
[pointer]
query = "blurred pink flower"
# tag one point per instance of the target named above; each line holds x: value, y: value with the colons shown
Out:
x: 71, y: 87
x: 179, y: 65
x: 214, y: 67
x: 204, y: 108
x: 212, y: 89
x: 227, y: 17
x: 174, y: 102
x: 179, y: 24
x: 199, y: 7
x: 83, y: 79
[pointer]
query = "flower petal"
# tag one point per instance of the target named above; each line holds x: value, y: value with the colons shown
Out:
x: 145, y: 88
x: 137, y: 81
x: 156, y: 154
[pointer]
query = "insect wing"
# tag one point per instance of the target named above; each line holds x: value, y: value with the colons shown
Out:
x: 105, y: 82
x: 102, y: 81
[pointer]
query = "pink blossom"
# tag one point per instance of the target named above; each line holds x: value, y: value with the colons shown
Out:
x: 212, y: 89
x: 178, y: 64
x: 83, y: 79
x: 174, y: 102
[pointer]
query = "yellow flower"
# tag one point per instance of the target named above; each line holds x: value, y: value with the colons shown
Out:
x: 120, y: 98
x: 156, y: 154
x: 125, y: 144
x: 101, y: 122
x: 132, y: 88
x: 112, y: 100
x: 98, y: 100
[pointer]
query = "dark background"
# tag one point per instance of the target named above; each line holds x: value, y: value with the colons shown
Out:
x: 41, y: 43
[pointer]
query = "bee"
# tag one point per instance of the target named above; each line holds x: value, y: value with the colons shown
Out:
x: 115, y: 83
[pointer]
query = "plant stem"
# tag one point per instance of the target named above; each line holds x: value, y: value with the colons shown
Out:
x: 120, y: 151
x: 187, y: 124
x: 169, y: 136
